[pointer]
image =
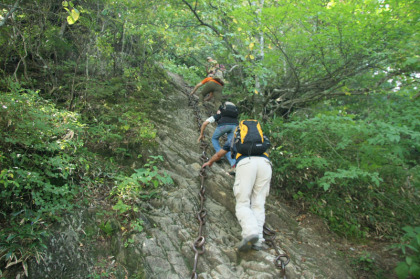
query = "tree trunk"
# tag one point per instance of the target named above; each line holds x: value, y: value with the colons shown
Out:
x: 258, y: 98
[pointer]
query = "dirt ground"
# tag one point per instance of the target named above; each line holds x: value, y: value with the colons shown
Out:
x: 370, y: 259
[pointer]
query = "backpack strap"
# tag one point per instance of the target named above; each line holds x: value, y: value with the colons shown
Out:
x: 235, y: 135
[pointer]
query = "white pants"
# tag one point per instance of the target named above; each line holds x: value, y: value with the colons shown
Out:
x: 252, y: 185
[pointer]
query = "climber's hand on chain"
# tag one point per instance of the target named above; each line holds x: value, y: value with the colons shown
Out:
x: 207, y: 164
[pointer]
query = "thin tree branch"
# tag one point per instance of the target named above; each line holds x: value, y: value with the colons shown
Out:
x: 12, y: 10
x: 194, y: 10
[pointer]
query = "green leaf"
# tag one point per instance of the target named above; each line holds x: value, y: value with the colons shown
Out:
x: 415, y: 270
x: 409, y: 260
x: 73, y: 17
x: 402, y: 270
x: 326, y: 186
x: 10, y: 237
x: 412, y: 248
x: 155, y: 183
x: 70, y: 20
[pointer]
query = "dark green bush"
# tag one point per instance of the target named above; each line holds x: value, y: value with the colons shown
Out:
x: 46, y: 167
x: 40, y: 169
x: 410, y: 248
x: 39, y: 145
x: 350, y: 170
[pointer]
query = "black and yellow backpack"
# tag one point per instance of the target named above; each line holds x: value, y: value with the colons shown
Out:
x: 249, y: 139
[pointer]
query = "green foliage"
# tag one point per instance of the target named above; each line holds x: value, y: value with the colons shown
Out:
x: 137, y: 225
x: 342, y: 177
x: 122, y: 208
x: 73, y: 12
x: 141, y: 185
x: 349, y: 170
x: 118, y: 132
x: 367, y: 266
x: 22, y: 239
x: 41, y: 166
x: 107, y: 228
x: 346, y: 163
x: 292, y: 53
x: 192, y: 75
x: 364, y: 262
x: 410, y: 247
x: 137, y: 186
x: 38, y: 151
x: 119, y: 119
x: 129, y: 242
x: 104, y: 268
x: 106, y: 73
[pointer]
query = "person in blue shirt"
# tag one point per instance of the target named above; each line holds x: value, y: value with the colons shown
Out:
x: 227, y: 121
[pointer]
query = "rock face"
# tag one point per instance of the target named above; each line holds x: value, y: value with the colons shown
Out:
x: 164, y: 248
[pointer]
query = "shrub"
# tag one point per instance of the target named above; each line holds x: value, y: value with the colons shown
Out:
x: 141, y: 185
x: 130, y: 188
x: 349, y: 170
x: 410, y: 247
x: 40, y: 169
x: 39, y: 147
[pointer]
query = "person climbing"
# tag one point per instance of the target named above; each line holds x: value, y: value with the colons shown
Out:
x: 215, y: 69
x: 227, y: 121
x: 252, y: 183
x: 212, y: 88
x: 212, y: 65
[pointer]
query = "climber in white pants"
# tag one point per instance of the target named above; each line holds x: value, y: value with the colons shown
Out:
x: 252, y: 185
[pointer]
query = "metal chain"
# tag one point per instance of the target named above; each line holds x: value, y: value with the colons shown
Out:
x: 198, y: 245
x: 281, y: 259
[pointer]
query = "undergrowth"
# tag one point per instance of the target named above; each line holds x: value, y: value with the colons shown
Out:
x: 48, y: 165
x: 349, y: 170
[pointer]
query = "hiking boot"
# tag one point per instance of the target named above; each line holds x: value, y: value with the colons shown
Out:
x: 260, y: 247
x: 232, y: 171
x: 247, y: 242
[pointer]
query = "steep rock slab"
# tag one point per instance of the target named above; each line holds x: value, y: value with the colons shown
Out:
x: 312, y: 256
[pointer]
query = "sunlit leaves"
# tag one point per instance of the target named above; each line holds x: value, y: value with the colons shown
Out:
x: 316, y: 39
x: 39, y: 171
x: 73, y: 12
x: 73, y: 17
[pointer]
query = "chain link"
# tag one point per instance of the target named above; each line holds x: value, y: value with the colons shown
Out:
x: 198, y: 245
x: 281, y: 259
